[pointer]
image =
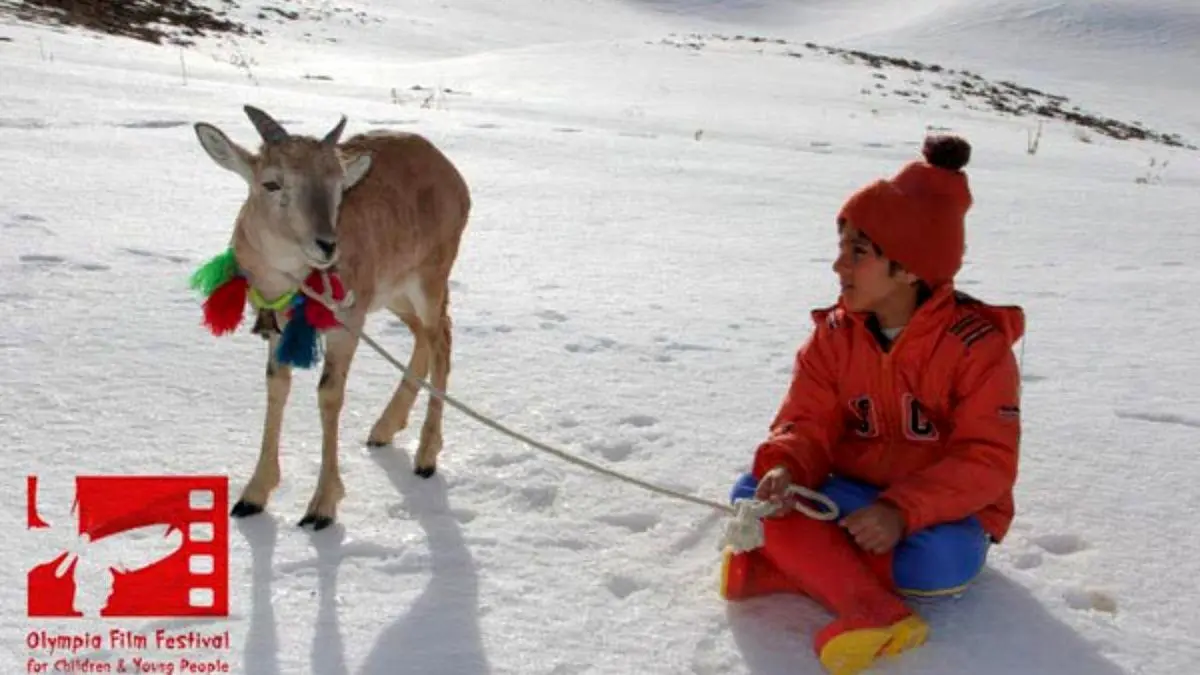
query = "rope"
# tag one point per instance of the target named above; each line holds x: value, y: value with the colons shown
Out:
x: 743, y: 533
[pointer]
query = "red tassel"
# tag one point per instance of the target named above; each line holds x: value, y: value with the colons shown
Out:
x: 317, y: 314
x: 225, y: 308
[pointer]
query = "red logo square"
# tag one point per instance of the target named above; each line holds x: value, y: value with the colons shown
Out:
x: 136, y: 546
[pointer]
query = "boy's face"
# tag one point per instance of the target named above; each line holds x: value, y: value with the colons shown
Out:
x: 869, y: 284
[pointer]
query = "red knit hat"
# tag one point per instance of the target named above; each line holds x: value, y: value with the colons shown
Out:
x: 916, y: 218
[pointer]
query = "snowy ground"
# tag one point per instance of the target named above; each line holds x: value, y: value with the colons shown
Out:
x: 653, y: 222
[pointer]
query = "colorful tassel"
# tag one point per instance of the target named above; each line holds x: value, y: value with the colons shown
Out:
x: 318, y: 314
x: 226, y: 306
x: 219, y: 270
x: 298, y: 346
x: 227, y: 292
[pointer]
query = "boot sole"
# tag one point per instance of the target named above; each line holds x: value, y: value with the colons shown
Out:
x: 856, y: 650
x: 723, y: 588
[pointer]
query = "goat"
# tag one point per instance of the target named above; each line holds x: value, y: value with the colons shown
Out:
x: 387, y: 210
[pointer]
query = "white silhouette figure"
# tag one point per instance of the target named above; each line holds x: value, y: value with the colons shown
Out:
x: 97, y: 562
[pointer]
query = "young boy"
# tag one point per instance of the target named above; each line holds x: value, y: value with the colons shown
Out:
x: 904, y: 410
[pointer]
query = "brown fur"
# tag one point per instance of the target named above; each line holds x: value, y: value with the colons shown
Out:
x: 397, y: 234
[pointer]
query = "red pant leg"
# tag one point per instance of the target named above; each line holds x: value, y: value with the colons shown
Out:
x: 751, y: 574
x: 826, y: 565
x: 880, y: 566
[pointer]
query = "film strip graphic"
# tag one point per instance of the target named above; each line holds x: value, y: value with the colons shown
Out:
x: 134, y: 546
x: 201, y: 537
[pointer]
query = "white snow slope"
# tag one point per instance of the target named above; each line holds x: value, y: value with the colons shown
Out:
x: 653, y: 222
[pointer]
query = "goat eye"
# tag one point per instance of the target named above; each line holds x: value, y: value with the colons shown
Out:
x: 271, y: 186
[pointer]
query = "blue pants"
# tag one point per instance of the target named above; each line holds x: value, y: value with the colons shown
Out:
x: 939, y: 560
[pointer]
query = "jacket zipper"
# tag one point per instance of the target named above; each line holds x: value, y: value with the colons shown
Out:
x: 889, y: 429
x: 892, y: 418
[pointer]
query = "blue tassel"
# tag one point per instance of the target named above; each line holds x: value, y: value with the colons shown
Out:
x: 298, y: 346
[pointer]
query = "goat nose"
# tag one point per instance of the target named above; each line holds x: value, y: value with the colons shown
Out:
x: 327, y: 246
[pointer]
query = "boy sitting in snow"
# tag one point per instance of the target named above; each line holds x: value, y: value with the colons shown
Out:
x: 904, y: 410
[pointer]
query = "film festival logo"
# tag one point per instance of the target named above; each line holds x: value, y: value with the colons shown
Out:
x: 130, y: 546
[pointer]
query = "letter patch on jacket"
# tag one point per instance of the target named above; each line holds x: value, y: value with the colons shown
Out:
x: 917, y: 425
x: 864, y: 421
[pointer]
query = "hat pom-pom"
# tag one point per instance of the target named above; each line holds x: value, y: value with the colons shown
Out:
x: 947, y: 152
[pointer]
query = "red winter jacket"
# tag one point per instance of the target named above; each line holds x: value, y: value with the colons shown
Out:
x: 934, y: 421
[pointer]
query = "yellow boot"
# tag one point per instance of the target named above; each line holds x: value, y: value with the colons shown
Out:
x: 849, y: 647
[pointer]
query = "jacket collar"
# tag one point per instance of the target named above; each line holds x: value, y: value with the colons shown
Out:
x: 934, y: 314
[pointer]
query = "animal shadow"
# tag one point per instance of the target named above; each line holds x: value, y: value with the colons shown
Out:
x: 262, y: 639
x: 439, y: 634
x: 328, y: 650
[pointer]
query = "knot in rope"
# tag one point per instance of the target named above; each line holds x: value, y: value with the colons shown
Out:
x: 744, y: 532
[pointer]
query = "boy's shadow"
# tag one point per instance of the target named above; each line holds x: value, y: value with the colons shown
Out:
x: 997, y: 627
x: 440, y: 631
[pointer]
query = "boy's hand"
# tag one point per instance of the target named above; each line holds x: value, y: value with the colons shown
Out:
x: 876, y: 528
x: 773, y: 487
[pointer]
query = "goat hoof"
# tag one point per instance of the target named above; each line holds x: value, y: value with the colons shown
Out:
x: 318, y: 522
x: 372, y: 443
x: 244, y: 509
x: 425, y: 472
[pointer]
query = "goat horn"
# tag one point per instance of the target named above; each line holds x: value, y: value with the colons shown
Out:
x: 335, y: 133
x: 270, y: 130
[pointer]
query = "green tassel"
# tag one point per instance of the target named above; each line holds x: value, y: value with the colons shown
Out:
x: 215, y: 273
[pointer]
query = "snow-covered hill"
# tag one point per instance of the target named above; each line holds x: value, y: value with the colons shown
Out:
x: 654, y: 185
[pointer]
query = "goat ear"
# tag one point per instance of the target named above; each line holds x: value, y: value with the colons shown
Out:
x: 226, y: 153
x: 356, y: 169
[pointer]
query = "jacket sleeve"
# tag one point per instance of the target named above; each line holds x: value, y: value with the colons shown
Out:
x: 980, y: 464
x: 808, y: 422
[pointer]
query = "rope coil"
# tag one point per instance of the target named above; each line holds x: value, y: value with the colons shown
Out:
x: 743, y: 533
